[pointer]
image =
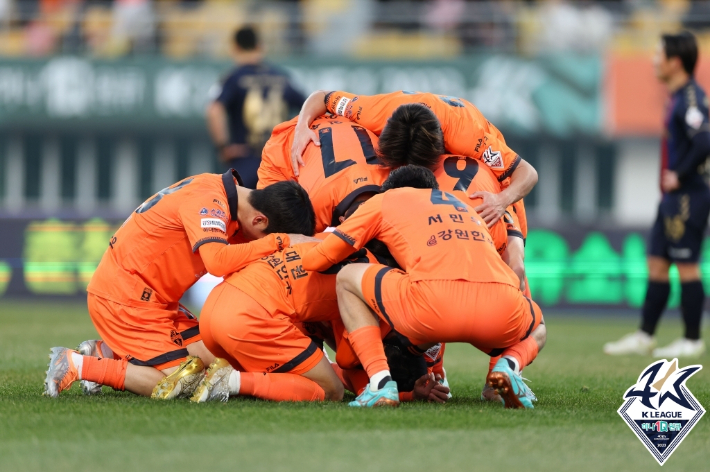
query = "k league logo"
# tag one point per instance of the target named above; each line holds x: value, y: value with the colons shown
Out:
x: 659, y: 409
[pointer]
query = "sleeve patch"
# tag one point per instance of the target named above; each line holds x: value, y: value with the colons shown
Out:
x: 493, y: 159
x: 213, y: 223
x: 694, y: 117
x: 341, y: 106
x: 345, y: 237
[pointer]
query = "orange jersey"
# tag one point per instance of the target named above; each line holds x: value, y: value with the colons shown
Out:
x: 466, y: 130
x: 431, y: 234
x: 280, y: 285
x: 153, y: 257
x: 463, y: 176
x: 344, y: 166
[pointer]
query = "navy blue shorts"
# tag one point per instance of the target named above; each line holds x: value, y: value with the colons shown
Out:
x: 678, y: 232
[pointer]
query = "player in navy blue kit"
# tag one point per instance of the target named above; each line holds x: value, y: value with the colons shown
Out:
x: 677, y: 234
x: 254, y: 98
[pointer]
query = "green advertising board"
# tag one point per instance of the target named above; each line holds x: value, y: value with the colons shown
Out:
x: 57, y: 257
x: 557, y: 95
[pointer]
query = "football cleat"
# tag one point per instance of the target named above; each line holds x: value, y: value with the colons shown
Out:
x: 682, y: 347
x: 634, y: 343
x: 510, y: 386
x: 181, y: 383
x: 215, y: 385
x: 445, y: 382
x: 92, y: 348
x: 61, y: 372
x: 386, y: 396
x: 489, y: 394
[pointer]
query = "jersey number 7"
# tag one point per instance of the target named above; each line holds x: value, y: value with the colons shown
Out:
x: 330, y: 166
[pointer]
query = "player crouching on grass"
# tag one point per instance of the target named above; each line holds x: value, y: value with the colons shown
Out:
x: 151, y: 345
x: 454, y: 286
x: 252, y: 322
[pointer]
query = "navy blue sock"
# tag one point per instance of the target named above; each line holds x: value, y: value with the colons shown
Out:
x: 656, y: 300
x: 692, y: 299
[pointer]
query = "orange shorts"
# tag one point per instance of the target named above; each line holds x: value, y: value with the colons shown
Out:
x: 490, y: 316
x: 233, y: 323
x: 154, y: 335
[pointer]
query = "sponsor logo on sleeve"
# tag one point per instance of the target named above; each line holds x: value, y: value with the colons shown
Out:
x: 213, y: 223
x: 493, y: 159
x: 660, y: 409
x: 694, y: 117
x: 342, y: 104
x: 203, y: 212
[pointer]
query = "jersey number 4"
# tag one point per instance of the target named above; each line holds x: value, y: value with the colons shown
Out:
x: 330, y: 166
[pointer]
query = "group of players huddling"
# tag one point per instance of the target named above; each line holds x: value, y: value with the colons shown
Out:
x: 415, y: 201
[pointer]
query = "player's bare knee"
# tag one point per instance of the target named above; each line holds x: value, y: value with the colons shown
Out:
x: 346, y: 279
x: 658, y: 269
x: 688, y: 272
x: 335, y: 391
x: 539, y: 334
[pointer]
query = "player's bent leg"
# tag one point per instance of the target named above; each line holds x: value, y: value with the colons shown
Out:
x: 67, y: 366
x: 93, y: 348
x: 505, y: 377
x: 324, y: 375
x: 365, y: 336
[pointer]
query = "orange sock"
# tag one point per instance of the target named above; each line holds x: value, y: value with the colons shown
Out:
x: 492, y: 363
x: 524, y: 352
x: 105, y: 371
x: 280, y: 387
x: 357, y: 378
x: 367, y: 344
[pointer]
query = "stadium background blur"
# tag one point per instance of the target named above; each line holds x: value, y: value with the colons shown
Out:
x: 102, y: 105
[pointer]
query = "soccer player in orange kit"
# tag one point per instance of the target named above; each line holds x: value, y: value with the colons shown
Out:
x: 250, y: 320
x: 344, y: 167
x: 198, y: 225
x: 453, y: 288
x: 417, y: 128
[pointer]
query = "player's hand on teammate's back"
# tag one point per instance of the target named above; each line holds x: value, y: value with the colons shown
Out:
x: 492, y: 208
x: 427, y: 388
x: 300, y: 239
x: 301, y: 138
x: 669, y: 181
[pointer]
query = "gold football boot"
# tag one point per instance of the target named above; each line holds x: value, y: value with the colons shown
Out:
x: 182, y: 382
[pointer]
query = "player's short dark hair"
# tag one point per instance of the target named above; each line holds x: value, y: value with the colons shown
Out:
x: 246, y: 38
x: 410, y: 176
x: 287, y: 206
x: 683, y: 46
x: 412, y: 135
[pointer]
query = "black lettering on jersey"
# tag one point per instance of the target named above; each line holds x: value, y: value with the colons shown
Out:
x: 330, y: 166
x: 148, y: 204
x: 368, y: 150
x: 437, y: 198
x: 112, y: 242
x: 465, y: 175
x: 327, y: 150
x: 434, y: 219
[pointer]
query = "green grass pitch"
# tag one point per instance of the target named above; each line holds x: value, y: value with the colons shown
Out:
x: 573, y: 428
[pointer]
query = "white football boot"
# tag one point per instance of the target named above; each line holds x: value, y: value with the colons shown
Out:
x: 635, y: 343
x: 681, y: 347
x: 93, y: 348
x: 215, y: 384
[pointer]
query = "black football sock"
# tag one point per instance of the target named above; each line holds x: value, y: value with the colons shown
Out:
x: 692, y: 299
x: 654, y: 304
